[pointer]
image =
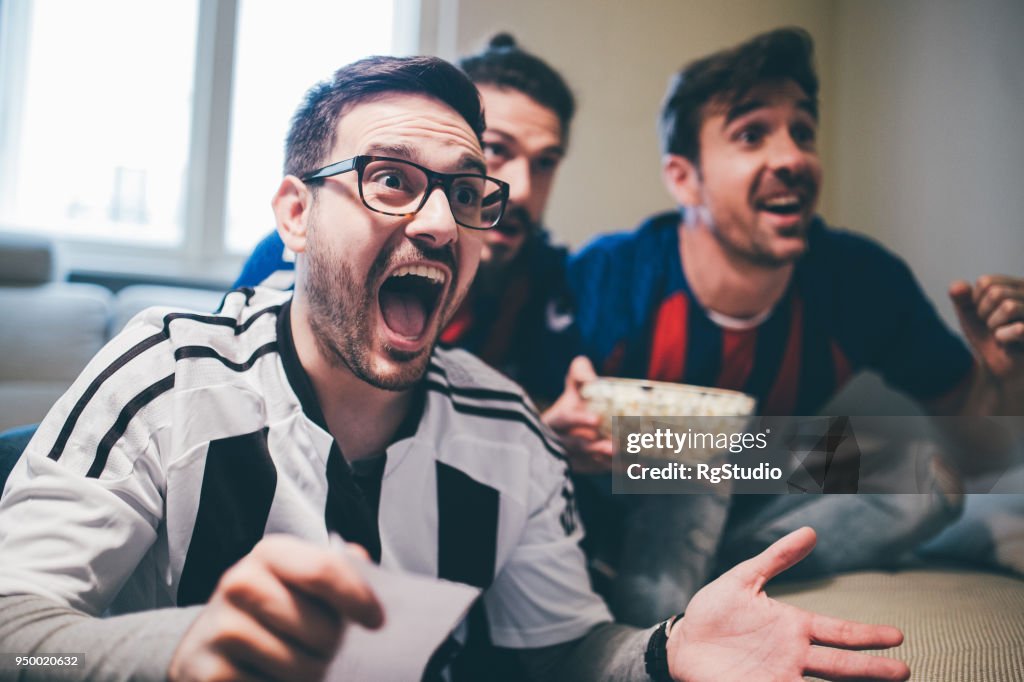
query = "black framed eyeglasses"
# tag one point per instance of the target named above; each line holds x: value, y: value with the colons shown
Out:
x: 401, y: 188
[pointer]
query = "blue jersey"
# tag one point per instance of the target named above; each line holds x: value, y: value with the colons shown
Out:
x: 851, y: 305
x: 270, y: 264
x: 524, y: 330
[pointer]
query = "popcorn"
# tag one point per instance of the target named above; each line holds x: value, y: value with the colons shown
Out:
x: 609, y: 397
x: 636, y: 398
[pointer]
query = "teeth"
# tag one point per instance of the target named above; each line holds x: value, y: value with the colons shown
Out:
x: 782, y: 201
x: 427, y: 271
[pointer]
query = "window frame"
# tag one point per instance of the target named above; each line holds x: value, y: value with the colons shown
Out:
x: 202, y: 254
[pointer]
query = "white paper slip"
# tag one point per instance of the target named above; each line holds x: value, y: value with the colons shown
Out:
x: 419, y: 613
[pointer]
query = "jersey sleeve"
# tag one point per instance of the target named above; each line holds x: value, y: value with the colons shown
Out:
x: 896, y: 329
x: 268, y: 266
x: 616, y: 280
x: 83, y: 504
x: 598, y: 307
x: 542, y: 595
x: 132, y: 647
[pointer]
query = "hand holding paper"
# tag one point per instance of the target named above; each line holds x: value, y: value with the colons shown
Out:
x: 279, y: 611
x: 421, y: 613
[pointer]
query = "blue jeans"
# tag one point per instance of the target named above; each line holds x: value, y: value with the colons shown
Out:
x: 12, y: 444
x: 649, y: 554
x: 855, y: 532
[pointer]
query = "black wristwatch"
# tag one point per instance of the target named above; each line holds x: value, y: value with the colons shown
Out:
x: 656, y: 656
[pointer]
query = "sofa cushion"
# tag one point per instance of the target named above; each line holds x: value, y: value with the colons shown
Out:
x: 132, y: 300
x: 958, y: 624
x: 49, y: 334
x: 27, y: 402
x: 25, y: 259
x: 51, y: 331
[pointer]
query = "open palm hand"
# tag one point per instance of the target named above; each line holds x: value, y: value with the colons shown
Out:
x: 733, y: 631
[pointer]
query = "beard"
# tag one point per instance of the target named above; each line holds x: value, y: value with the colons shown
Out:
x: 516, y: 223
x: 342, y: 313
x: 760, y: 253
x: 744, y: 237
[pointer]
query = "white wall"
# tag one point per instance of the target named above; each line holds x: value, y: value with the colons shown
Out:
x: 929, y: 122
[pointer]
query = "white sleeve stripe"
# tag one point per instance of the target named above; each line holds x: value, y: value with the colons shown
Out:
x: 220, y: 321
x: 478, y: 397
x: 248, y: 292
x: 192, y: 352
x: 123, y: 419
x: 135, y: 351
x: 87, y: 395
x: 154, y: 391
x: 491, y: 412
x: 487, y: 393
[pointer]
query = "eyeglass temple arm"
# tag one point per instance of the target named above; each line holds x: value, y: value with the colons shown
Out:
x: 333, y: 169
x: 495, y: 196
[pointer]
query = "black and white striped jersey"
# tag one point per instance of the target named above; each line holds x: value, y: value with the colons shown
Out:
x: 189, y: 437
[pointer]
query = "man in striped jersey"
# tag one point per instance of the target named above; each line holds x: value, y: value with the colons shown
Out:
x: 748, y: 289
x: 190, y: 477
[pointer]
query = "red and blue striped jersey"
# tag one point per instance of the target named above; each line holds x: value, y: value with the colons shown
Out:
x: 851, y: 305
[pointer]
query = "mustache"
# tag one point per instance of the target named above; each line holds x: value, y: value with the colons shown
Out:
x: 803, y: 182
x: 516, y: 221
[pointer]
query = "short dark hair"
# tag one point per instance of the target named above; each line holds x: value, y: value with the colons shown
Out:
x: 782, y: 54
x: 314, y: 126
x: 506, y: 65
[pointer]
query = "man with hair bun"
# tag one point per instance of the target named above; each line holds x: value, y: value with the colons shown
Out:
x: 515, y: 316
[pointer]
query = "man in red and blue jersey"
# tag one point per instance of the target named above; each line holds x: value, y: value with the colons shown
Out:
x: 747, y: 288
x: 518, y: 302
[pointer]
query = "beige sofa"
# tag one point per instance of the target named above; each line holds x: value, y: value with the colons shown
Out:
x: 52, y: 328
x: 959, y: 625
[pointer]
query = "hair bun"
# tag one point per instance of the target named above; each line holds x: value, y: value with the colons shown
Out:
x: 501, y: 40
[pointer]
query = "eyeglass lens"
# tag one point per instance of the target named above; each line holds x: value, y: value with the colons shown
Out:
x: 396, y: 187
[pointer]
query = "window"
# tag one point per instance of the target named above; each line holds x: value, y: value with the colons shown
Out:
x: 150, y: 136
x: 270, y: 80
x: 95, y: 143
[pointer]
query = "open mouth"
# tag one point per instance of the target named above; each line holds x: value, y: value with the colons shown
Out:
x: 782, y: 205
x: 409, y: 299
